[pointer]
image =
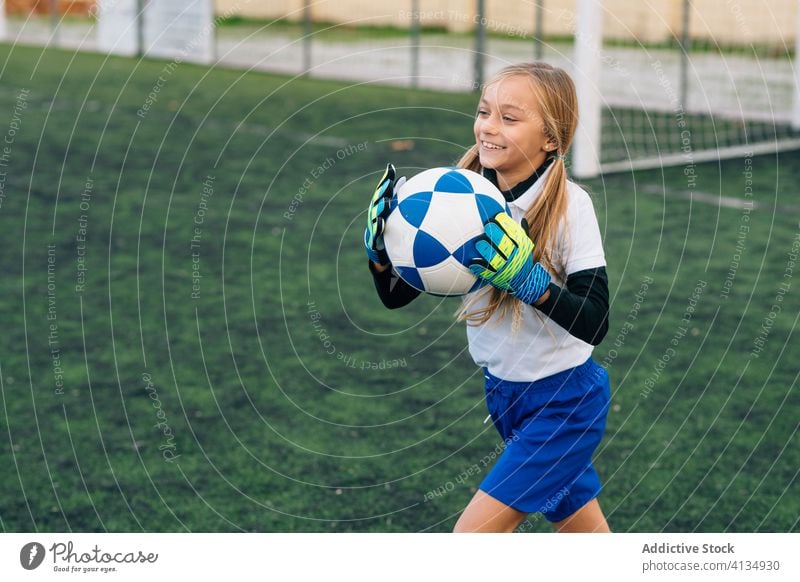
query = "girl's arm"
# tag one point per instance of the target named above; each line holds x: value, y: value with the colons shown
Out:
x: 581, y: 308
x: 393, y: 291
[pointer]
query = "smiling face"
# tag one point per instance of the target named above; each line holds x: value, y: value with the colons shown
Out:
x: 509, y: 130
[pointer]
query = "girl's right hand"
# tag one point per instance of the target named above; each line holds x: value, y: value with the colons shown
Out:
x: 381, y: 205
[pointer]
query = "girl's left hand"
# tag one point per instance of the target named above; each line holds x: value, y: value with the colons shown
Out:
x: 507, y: 259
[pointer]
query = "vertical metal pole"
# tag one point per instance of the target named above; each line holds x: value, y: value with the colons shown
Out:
x: 215, y: 33
x: 140, y: 28
x: 54, y: 34
x: 415, y: 43
x: 538, y: 44
x: 480, y: 44
x: 306, y: 37
x: 685, y: 55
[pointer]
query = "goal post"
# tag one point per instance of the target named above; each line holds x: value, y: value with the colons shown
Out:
x: 587, y: 47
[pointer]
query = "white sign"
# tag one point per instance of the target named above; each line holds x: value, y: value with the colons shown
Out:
x: 172, y: 29
x: 117, y: 29
x: 181, y: 29
x: 3, y: 31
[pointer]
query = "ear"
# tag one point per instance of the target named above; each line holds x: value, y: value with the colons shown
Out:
x: 549, y: 145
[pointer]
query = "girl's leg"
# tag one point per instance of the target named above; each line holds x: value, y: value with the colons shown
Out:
x: 484, y: 513
x: 588, y: 519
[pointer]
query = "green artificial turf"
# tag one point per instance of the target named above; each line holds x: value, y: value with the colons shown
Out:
x: 273, y: 392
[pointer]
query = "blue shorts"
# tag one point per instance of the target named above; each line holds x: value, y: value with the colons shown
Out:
x: 551, y: 428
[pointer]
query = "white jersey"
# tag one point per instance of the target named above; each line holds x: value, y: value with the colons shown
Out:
x: 540, y: 347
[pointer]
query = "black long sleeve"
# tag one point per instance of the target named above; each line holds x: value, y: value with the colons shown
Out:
x: 581, y: 308
x: 392, y: 290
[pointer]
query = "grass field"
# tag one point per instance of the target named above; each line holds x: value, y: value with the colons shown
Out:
x: 227, y: 365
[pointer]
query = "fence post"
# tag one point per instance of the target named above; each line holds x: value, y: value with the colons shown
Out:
x: 306, y: 37
x: 414, y: 43
x: 139, y: 21
x: 588, y: 44
x: 54, y: 33
x: 685, y: 55
x: 216, y: 20
x: 538, y: 45
x: 480, y: 44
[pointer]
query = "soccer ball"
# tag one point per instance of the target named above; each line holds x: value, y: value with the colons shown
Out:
x: 430, y: 235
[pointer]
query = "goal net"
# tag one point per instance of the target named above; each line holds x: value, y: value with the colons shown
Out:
x: 684, y: 81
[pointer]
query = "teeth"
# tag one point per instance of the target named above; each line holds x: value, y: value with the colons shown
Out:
x: 491, y: 146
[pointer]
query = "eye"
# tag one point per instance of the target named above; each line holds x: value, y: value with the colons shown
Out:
x: 508, y: 119
x: 482, y: 112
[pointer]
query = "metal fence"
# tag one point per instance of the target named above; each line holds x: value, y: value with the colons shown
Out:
x: 735, y: 82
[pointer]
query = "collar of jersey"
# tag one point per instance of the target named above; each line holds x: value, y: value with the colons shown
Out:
x: 522, y: 194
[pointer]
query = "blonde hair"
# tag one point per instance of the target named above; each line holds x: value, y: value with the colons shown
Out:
x: 555, y: 94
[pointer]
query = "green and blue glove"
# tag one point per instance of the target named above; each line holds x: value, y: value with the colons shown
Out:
x: 379, y: 209
x: 506, y: 260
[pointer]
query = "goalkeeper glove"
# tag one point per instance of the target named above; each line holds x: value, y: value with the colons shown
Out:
x: 380, y: 207
x: 506, y: 260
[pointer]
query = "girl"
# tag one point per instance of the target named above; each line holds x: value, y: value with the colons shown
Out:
x: 533, y: 328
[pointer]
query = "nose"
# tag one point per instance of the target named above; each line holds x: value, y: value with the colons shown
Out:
x: 487, y: 125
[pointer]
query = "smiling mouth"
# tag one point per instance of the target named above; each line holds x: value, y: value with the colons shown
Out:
x: 491, y: 146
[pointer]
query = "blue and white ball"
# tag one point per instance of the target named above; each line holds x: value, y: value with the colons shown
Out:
x: 430, y: 236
